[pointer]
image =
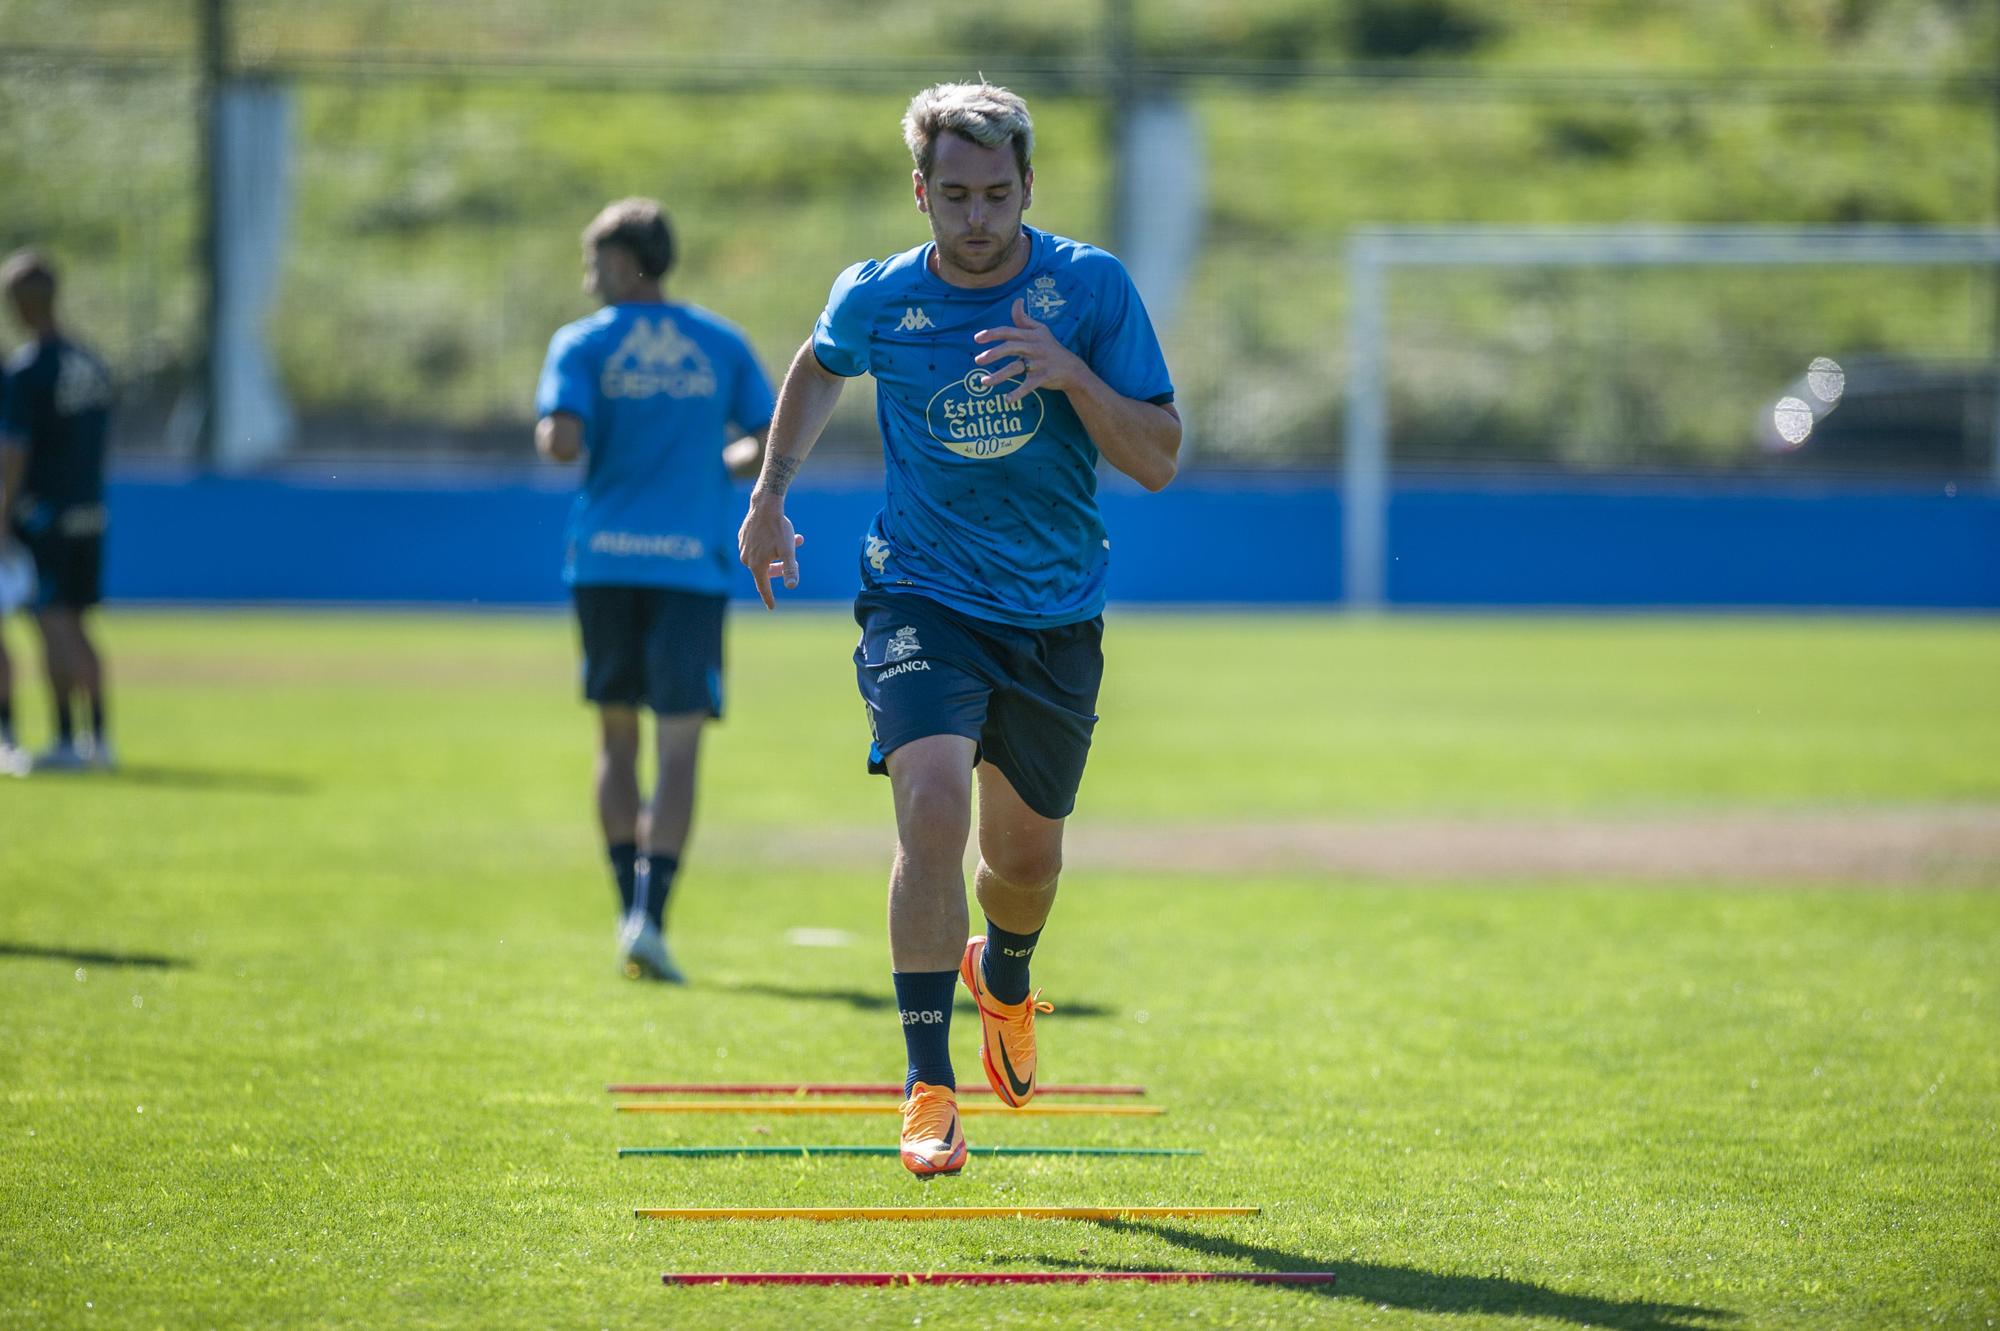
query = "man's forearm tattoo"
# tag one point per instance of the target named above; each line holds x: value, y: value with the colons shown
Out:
x: 778, y: 473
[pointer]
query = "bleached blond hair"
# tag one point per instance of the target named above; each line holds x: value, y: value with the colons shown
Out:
x: 981, y: 112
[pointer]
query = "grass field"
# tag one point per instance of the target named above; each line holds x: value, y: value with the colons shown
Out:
x: 305, y: 1016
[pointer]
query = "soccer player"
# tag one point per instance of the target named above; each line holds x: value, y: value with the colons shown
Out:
x: 52, y: 432
x: 1007, y: 361
x: 13, y: 760
x: 666, y: 402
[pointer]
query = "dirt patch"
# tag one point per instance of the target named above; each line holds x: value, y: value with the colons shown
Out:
x: 259, y: 669
x: 1955, y: 845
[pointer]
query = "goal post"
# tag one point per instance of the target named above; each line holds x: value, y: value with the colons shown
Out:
x: 1375, y: 253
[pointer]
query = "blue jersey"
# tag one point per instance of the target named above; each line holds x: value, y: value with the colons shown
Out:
x: 991, y: 509
x: 658, y: 387
x: 57, y: 405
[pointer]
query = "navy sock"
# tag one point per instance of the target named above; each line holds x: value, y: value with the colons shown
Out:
x: 6, y: 720
x: 924, y: 999
x: 1005, y: 962
x: 625, y: 868
x: 65, y: 723
x: 97, y: 720
x: 656, y: 880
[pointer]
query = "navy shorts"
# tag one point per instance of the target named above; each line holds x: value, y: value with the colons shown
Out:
x: 653, y: 646
x: 69, y: 569
x: 1026, y: 697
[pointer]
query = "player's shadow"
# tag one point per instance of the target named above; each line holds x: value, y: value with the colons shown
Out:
x: 1431, y: 1291
x: 207, y: 778
x: 85, y: 957
x: 884, y: 1000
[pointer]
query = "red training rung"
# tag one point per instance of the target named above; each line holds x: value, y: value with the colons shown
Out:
x: 993, y: 1277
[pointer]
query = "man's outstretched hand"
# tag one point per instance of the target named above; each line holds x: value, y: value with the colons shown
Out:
x: 768, y: 547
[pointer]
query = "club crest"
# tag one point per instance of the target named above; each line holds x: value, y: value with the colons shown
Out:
x: 904, y: 643
x: 1043, y: 298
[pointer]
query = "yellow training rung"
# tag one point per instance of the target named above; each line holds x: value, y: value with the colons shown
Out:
x: 814, y: 1107
x: 930, y: 1212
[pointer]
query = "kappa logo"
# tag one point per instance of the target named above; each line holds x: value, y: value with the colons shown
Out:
x: 877, y: 553
x: 902, y: 669
x: 914, y: 320
x: 656, y: 358
x: 904, y: 643
x: 1044, y: 299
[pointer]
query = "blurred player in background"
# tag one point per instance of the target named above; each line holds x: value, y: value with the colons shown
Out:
x: 666, y: 403
x: 13, y: 759
x: 1006, y: 362
x: 52, y: 429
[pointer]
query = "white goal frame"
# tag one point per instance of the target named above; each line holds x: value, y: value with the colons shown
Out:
x: 1373, y: 252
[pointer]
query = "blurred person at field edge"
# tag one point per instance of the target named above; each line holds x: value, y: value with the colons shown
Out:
x: 1007, y: 361
x: 13, y: 760
x: 52, y: 434
x: 667, y: 405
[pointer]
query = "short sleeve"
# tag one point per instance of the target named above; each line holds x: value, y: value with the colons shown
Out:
x: 840, y: 338
x: 568, y: 382
x: 751, y: 404
x: 1124, y: 351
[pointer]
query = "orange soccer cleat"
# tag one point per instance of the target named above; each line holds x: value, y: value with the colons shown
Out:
x: 1006, y: 1031
x: 933, y: 1140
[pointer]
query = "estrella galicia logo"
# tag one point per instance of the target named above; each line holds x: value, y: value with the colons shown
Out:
x: 974, y: 421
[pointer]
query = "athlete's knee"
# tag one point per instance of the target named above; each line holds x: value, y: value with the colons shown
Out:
x: 618, y: 733
x: 678, y: 741
x: 933, y: 819
x: 935, y: 813
x: 1022, y: 868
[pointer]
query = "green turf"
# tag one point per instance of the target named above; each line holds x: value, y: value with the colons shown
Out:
x: 367, y: 1090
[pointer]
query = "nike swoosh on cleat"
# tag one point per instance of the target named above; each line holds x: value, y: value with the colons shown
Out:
x: 1020, y: 1088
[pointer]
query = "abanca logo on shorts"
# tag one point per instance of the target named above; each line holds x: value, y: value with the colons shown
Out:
x: 902, y: 669
x: 968, y: 417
